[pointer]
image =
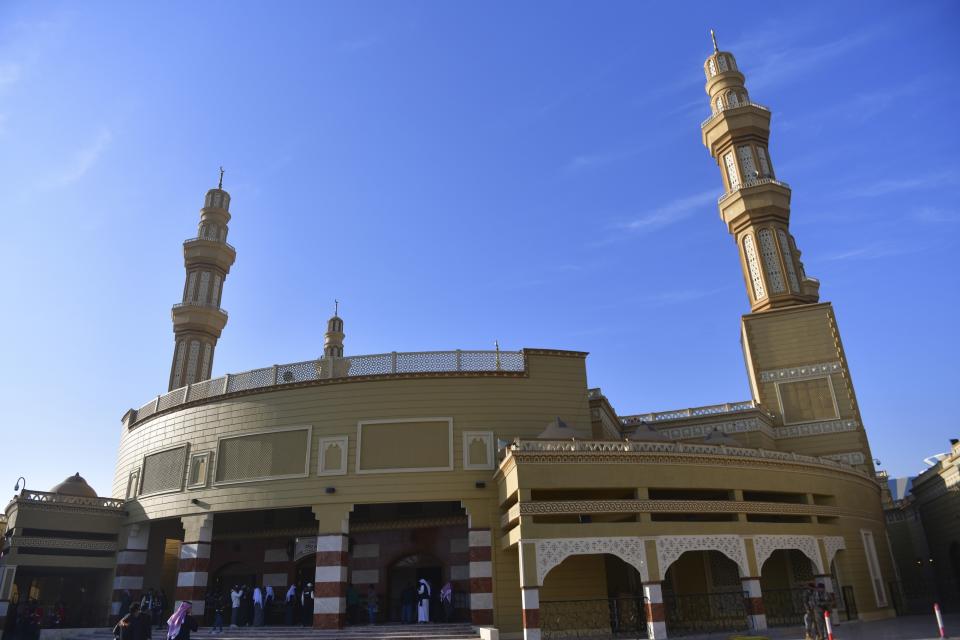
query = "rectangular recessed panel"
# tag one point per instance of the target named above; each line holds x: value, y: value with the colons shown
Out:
x: 163, y: 471
x: 405, y: 446
x: 807, y: 400
x: 263, y: 455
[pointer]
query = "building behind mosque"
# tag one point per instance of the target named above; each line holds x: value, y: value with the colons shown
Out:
x: 499, y: 471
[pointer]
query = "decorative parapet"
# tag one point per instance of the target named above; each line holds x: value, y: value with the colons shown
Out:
x: 363, y: 366
x: 575, y: 451
x: 44, y: 498
x: 750, y: 184
x: 724, y: 109
x: 575, y: 507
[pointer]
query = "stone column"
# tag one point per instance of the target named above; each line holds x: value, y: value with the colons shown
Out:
x: 194, y: 565
x: 330, y: 582
x: 131, y: 562
x: 7, y: 574
x: 753, y: 603
x: 656, y: 613
x: 481, y: 576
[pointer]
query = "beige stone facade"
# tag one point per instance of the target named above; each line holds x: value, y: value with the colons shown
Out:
x: 504, y: 474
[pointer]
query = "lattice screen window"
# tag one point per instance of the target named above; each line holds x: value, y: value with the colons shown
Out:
x: 724, y: 65
x: 217, y: 281
x: 205, y: 366
x: 807, y: 400
x: 764, y: 163
x: 199, y: 470
x: 163, y: 471
x: 719, y: 103
x: 191, y: 287
x: 260, y: 456
x: 788, y: 259
x: 732, y: 176
x: 753, y: 265
x: 192, y: 362
x: 732, y: 99
x: 745, y: 155
x: 204, y: 286
x: 771, y: 261
x: 178, y: 367
x: 713, y: 67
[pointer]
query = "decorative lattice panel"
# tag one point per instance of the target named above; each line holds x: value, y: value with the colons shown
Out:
x: 771, y: 261
x: 426, y: 361
x: 263, y: 455
x: 732, y: 175
x: 297, y: 372
x: 759, y: 292
x: 251, y: 380
x: 163, y: 471
x: 788, y: 259
x: 371, y: 365
x: 171, y: 399
x: 205, y: 389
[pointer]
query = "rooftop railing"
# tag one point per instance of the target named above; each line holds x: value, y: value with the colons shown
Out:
x: 732, y: 108
x: 519, y: 447
x: 381, y: 364
x: 693, y: 412
x: 205, y: 305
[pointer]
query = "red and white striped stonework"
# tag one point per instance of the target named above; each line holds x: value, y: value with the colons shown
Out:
x: 131, y: 562
x: 530, y: 598
x: 330, y: 582
x: 194, y: 565
x: 481, y: 576
x: 656, y: 615
x: 753, y: 603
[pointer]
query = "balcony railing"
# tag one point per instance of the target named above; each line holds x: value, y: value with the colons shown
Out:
x: 191, y: 240
x: 381, y: 364
x: 732, y: 108
x: 693, y: 412
x: 202, y: 305
x: 752, y: 183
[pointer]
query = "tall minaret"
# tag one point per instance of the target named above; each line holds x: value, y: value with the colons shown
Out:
x: 791, y: 341
x: 198, y: 319
x: 756, y: 206
x: 333, y: 364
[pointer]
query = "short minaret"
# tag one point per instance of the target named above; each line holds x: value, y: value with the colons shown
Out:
x: 333, y: 338
x: 756, y: 205
x: 198, y: 319
x: 333, y: 364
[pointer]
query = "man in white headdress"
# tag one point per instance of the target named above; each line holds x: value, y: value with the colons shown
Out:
x: 423, y: 601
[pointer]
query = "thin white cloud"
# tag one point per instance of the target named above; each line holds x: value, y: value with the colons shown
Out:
x: 669, y: 213
x: 82, y: 161
x: 936, y: 215
x: 872, y: 251
x: 897, y: 185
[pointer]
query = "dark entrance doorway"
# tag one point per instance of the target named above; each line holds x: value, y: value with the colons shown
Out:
x: 407, y: 572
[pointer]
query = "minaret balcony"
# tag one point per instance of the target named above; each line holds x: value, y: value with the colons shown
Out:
x: 755, y: 199
x: 198, y: 316
x: 733, y: 108
x: 725, y: 127
x: 204, y: 251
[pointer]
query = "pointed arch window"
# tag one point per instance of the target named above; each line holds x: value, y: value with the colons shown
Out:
x: 771, y: 261
x: 722, y: 61
x: 731, y: 166
x: 713, y: 67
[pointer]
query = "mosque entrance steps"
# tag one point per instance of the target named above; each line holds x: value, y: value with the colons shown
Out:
x: 363, y: 632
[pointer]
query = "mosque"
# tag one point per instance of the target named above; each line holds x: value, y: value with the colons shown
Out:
x: 500, y: 472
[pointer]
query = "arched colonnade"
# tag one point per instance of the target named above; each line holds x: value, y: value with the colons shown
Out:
x: 652, y: 557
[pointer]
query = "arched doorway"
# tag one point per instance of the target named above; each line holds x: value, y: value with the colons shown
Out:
x: 231, y: 574
x: 702, y: 593
x: 785, y: 580
x: 405, y: 573
x: 592, y: 595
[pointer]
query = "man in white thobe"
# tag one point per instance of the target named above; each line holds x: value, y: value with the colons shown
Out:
x: 423, y: 601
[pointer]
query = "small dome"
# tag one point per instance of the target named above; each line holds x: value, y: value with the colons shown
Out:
x: 75, y: 486
x: 645, y: 433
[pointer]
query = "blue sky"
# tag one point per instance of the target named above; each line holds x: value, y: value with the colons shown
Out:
x: 459, y: 173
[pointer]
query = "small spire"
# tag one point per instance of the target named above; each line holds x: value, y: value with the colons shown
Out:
x: 336, y: 307
x: 713, y: 37
x: 220, y: 185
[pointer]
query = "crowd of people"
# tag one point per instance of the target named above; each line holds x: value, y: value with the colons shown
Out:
x: 25, y: 619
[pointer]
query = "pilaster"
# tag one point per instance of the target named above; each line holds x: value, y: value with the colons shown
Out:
x: 131, y: 563
x: 480, y: 554
x: 753, y: 603
x: 193, y: 566
x: 330, y: 581
x: 656, y: 613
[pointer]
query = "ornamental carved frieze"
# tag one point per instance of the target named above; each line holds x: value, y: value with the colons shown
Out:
x: 832, y: 544
x: 64, y: 543
x: 670, y: 548
x: 573, y: 507
x: 798, y: 373
x: 551, y: 552
x: 764, y: 546
x: 804, y: 429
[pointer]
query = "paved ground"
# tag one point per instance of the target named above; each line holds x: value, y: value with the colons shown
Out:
x: 905, y: 628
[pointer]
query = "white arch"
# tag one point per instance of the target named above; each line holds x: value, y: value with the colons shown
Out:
x: 669, y: 548
x: 551, y: 552
x: 764, y: 546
